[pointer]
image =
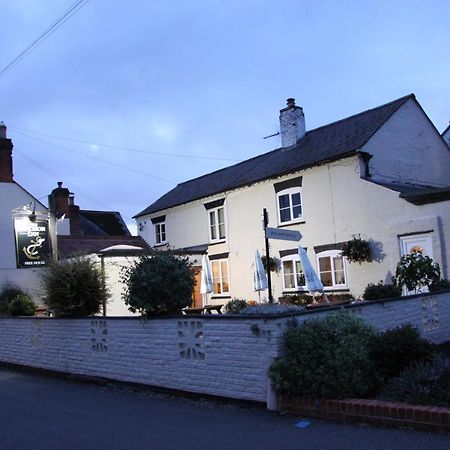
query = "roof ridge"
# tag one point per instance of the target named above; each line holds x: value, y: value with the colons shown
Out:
x: 404, y: 98
x: 97, y: 211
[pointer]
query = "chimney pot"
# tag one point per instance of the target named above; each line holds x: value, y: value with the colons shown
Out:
x: 59, y: 183
x: 290, y: 102
x: 3, y: 129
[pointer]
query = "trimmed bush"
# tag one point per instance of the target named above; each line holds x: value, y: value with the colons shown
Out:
x: 380, y: 290
x: 394, y: 350
x: 158, y: 284
x: 8, y: 293
x: 235, y: 306
x: 415, y: 271
x: 22, y: 305
x: 326, y: 358
x: 422, y: 383
x: 74, y: 287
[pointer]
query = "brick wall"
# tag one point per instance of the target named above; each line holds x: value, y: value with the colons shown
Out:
x: 216, y: 355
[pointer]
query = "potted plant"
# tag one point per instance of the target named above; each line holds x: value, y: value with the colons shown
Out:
x: 273, y: 263
x: 357, y: 250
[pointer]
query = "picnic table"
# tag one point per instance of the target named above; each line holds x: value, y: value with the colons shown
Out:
x: 204, y: 310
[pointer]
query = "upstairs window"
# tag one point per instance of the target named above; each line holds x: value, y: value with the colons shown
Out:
x: 332, y: 269
x: 159, y: 225
x: 160, y: 233
x: 289, y: 206
x: 217, y: 224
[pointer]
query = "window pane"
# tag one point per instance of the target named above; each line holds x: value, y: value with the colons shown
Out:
x: 299, y: 274
x: 221, y: 230
x: 326, y: 279
x: 284, y: 201
x: 221, y: 222
x: 325, y: 264
x: 288, y: 273
x: 339, y: 276
x: 216, y: 277
x: 212, y: 225
x: 296, y: 211
x: 296, y: 199
x: 338, y: 263
x: 285, y: 215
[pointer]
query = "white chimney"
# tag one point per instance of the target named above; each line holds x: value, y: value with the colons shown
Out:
x: 292, y: 124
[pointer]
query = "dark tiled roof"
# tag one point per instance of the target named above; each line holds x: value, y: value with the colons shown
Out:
x: 75, y: 245
x: 109, y: 223
x: 330, y: 142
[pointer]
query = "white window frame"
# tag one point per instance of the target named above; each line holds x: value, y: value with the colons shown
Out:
x: 160, y: 231
x: 290, y: 192
x: 294, y: 258
x: 222, y: 293
x: 332, y: 254
x: 215, y: 212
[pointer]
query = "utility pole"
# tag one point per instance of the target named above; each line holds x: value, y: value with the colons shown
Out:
x: 269, y: 281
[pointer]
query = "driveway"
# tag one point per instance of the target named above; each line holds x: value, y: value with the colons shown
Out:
x: 41, y: 412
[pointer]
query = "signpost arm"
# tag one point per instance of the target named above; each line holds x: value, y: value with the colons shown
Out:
x: 269, y: 280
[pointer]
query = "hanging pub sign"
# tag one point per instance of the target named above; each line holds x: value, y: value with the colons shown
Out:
x: 32, y: 242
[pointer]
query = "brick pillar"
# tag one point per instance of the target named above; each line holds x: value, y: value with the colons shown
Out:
x: 6, y: 166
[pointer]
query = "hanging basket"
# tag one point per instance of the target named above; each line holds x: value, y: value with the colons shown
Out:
x: 357, y: 250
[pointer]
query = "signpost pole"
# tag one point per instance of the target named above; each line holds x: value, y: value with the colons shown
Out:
x: 269, y: 281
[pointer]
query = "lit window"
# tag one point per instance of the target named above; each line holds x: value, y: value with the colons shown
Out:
x: 289, y: 206
x: 160, y: 233
x: 220, y: 276
x: 217, y: 224
x: 293, y: 276
x: 332, y: 269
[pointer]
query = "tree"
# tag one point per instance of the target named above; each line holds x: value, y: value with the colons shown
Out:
x: 74, y: 287
x: 158, y: 284
x: 415, y: 271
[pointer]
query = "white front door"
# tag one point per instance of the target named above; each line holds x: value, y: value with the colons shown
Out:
x: 420, y: 243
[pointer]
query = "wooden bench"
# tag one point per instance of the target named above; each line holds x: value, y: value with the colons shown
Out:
x: 210, y: 309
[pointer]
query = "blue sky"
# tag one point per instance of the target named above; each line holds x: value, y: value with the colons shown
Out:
x: 200, y: 78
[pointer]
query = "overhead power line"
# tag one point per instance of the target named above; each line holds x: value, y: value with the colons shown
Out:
x: 99, y: 159
x: 128, y: 149
x: 79, y: 190
x: 44, y: 35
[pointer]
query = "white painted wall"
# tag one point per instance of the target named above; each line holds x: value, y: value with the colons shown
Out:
x: 337, y: 205
x: 13, y: 196
x: 232, y: 354
x: 408, y: 149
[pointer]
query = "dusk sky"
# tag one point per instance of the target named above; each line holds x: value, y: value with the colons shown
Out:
x: 203, y: 80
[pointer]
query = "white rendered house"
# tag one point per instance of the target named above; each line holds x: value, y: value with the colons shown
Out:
x: 17, y: 203
x: 383, y: 174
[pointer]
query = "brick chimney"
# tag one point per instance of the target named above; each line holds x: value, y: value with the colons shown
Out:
x: 6, y: 146
x: 61, y: 201
x: 292, y: 124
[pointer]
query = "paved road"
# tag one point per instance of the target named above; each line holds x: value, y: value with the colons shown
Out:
x: 39, y: 412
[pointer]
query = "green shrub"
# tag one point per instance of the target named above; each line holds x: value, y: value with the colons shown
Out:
x: 8, y: 293
x: 415, y: 271
x: 74, y: 287
x: 422, y: 383
x: 22, y: 305
x: 325, y: 358
x: 235, y: 306
x: 158, y: 284
x: 380, y: 290
x: 394, y: 350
